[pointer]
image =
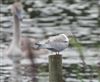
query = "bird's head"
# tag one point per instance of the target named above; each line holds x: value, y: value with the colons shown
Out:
x: 16, y: 9
x: 65, y: 38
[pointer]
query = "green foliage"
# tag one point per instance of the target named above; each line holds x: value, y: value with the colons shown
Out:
x: 78, y: 46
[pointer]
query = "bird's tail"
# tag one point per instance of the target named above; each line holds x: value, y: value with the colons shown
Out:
x: 36, y: 46
x: 39, y: 45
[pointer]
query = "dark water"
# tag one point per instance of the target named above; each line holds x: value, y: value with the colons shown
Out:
x: 44, y: 18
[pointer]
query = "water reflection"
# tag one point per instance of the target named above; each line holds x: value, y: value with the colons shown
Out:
x: 42, y: 20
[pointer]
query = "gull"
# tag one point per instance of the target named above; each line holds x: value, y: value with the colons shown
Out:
x: 55, y: 44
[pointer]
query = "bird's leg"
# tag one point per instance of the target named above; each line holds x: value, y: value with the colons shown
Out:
x: 56, y: 53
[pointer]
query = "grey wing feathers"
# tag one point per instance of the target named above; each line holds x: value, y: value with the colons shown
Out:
x: 58, y: 46
x: 59, y: 38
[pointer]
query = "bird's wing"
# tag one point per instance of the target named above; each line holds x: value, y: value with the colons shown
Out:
x: 58, y: 45
x: 60, y: 38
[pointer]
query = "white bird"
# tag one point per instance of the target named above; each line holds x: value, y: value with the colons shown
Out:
x: 55, y: 44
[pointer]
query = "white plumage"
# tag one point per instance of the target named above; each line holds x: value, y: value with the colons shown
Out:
x: 56, y: 43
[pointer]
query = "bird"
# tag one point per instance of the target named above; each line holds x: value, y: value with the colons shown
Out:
x: 20, y: 47
x: 55, y: 44
x: 14, y: 51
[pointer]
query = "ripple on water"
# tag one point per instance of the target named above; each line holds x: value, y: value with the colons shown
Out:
x: 5, y: 19
x: 55, y: 18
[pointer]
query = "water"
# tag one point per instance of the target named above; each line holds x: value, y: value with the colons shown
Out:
x: 42, y: 20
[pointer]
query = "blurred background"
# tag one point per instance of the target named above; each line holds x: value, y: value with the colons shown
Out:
x: 80, y: 19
